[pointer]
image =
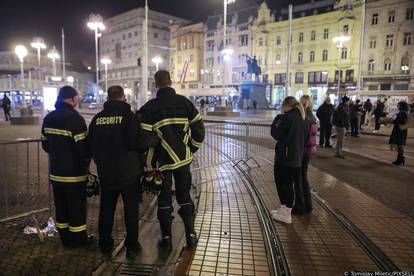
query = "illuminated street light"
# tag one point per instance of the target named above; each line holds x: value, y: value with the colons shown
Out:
x: 405, y: 68
x: 227, y: 54
x: 156, y: 60
x: 95, y: 23
x: 53, y: 55
x: 70, y: 79
x: 106, y: 61
x: 39, y: 44
x: 21, y: 53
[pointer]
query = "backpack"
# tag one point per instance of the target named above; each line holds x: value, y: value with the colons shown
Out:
x: 409, y: 123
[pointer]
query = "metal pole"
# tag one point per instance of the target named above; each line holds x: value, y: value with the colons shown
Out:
x: 38, y: 56
x: 22, y: 83
x: 289, y: 45
x: 106, y: 77
x: 224, y: 47
x: 361, y: 44
x: 54, y: 66
x: 63, y: 56
x: 339, y: 72
x: 144, y: 68
x: 97, y: 64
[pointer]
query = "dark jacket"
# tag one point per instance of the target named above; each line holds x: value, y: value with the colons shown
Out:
x: 6, y: 103
x: 368, y: 106
x: 171, y: 116
x: 355, y: 110
x: 64, y: 138
x: 116, y: 140
x: 341, y: 117
x: 290, y: 132
x: 399, y: 136
x: 324, y: 113
x: 379, y: 110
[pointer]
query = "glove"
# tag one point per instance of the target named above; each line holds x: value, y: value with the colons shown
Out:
x: 92, y: 185
x: 152, y: 181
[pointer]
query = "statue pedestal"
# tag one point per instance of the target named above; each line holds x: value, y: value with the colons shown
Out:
x: 223, y: 111
x: 253, y: 90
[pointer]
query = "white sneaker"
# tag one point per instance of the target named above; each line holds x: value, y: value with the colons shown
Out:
x: 272, y: 212
x: 284, y: 215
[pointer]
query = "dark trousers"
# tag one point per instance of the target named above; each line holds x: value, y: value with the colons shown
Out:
x: 182, y: 180
x: 354, y: 127
x: 307, y: 207
x: 377, y: 122
x: 70, y: 204
x: 108, y: 201
x: 325, y: 132
x: 288, y: 183
x: 7, y: 114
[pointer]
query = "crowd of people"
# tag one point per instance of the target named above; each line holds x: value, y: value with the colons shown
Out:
x: 147, y: 151
x: 295, y: 131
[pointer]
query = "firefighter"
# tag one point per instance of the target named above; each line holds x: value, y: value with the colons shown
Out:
x: 64, y: 138
x: 116, y: 139
x: 171, y: 116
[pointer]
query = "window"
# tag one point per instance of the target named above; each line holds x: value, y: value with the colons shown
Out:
x: 407, y: 39
x: 326, y: 34
x: 389, y: 40
x: 312, y: 56
x: 315, y: 77
x: 372, y: 42
x: 280, y: 79
x: 277, y: 59
x: 129, y: 35
x: 387, y: 65
x: 299, y: 77
x: 136, y: 33
x: 260, y: 41
x: 300, y: 57
x: 344, y: 53
x: 391, y: 17
x: 155, y: 35
x: 192, y: 42
x: 338, y: 74
x: 374, y: 20
x: 300, y: 37
x: 349, y: 75
x: 409, y: 14
x: 313, y: 35
x: 385, y: 86
x: 325, y: 55
x: 210, y: 62
x: 278, y: 40
x: 345, y: 29
x: 210, y: 45
x: 371, y: 65
x: 244, y: 40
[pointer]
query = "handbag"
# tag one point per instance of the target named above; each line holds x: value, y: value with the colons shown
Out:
x: 151, y: 182
x: 92, y: 185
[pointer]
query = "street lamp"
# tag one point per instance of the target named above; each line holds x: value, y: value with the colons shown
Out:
x: 405, y: 68
x: 95, y: 23
x: 106, y: 61
x: 21, y: 53
x: 339, y: 40
x: 157, y: 60
x: 39, y: 44
x: 53, y: 55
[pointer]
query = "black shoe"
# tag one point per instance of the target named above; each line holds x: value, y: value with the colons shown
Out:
x: 192, y: 240
x: 132, y: 253
x: 165, y: 243
x: 328, y: 146
x: 90, y: 240
x: 298, y: 211
x: 400, y: 161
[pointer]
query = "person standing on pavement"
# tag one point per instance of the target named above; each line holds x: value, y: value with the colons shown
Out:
x: 378, y: 113
x: 116, y: 142
x: 309, y: 151
x: 6, y: 107
x: 324, y: 114
x: 367, y: 112
x: 386, y: 111
x: 171, y: 116
x: 355, y: 114
x: 341, y: 122
x: 399, y: 136
x: 289, y: 130
x: 202, y: 105
x: 64, y: 138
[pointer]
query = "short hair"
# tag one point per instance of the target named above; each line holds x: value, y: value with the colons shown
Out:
x: 403, y: 106
x: 162, y: 78
x: 115, y: 92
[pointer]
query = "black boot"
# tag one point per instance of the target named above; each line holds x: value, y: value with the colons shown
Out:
x: 165, y: 219
x: 400, y: 160
x: 190, y: 234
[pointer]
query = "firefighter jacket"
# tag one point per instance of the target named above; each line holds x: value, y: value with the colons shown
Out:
x: 117, y: 143
x: 64, y: 138
x: 171, y: 117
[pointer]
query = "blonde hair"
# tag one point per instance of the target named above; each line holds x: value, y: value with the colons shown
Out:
x: 290, y: 103
x: 306, y: 102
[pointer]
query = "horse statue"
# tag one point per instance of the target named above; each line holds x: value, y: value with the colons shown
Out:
x: 253, y: 67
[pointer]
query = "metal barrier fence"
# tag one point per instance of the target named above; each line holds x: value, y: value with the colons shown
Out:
x: 24, y: 182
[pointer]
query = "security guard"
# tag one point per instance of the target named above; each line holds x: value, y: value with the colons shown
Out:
x: 116, y: 139
x: 64, y: 138
x: 171, y: 116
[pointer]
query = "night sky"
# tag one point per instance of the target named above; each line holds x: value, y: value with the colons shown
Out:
x: 20, y: 20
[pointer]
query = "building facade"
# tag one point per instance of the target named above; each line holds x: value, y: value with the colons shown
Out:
x: 122, y: 42
x: 389, y: 50
x: 186, y: 57
x: 316, y: 62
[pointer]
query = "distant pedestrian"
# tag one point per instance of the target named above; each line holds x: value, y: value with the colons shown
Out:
x: 64, y: 138
x: 324, y: 114
x: 399, y: 136
x: 341, y: 123
x: 254, y: 104
x: 289, y: 131
x: 355, y: 111
x: 386, y: 108
x: 305, y: 206
x: 378, y: 113
x: 6, y: 107
x: 202, y: 105
x: 367, y: 112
